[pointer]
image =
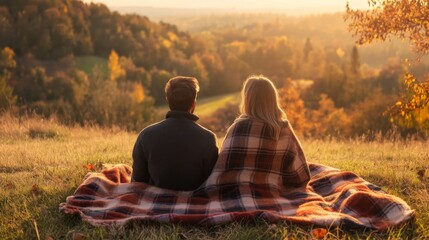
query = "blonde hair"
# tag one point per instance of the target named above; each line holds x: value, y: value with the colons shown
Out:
x: 259, y: 99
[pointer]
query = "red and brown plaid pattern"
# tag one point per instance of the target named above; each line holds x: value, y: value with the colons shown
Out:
x: 255, y: 177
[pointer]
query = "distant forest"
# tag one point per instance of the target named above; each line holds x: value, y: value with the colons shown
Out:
x: 313, y: 59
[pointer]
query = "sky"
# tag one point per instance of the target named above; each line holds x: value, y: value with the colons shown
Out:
x: 335, y: 5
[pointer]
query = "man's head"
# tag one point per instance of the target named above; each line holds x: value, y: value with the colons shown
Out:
x: 182, y: 93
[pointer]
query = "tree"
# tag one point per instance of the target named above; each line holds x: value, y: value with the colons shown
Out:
x: 368, y: 116
x: 115, y: 69
x: 7, y: 64
x: 406, y: 20
x: 332, y: 83
x: 292, y: 103
x: 328, y: 120
x: 307, y: 49
x: 110, y: 103
x: 387, y: 18
x: 157, y: 88
x: 355, y: 88
x: 355, y: 62
x: 7, y: 32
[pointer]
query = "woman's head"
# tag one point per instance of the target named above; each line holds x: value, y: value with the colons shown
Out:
x: 259, y: 99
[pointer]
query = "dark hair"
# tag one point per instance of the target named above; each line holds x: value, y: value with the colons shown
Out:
x: 181, y: 92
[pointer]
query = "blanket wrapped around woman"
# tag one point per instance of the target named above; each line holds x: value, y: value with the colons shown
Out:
x: 255, y: 177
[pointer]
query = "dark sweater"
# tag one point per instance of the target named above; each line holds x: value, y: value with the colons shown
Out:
x: 176, y: 153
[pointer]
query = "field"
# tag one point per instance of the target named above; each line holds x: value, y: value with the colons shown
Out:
x: 207, y: 106
x: 42, y: 162
x: 87, y: 64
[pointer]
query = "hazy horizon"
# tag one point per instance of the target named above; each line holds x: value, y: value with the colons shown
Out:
x: 245, y: 5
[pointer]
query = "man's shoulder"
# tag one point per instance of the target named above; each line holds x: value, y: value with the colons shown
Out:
x: 206, y: 132
x: 152, y: 128
x: 159, y: 126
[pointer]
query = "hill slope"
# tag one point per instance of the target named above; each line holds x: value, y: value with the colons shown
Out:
x: 207, y: 106
x: 41, y: 163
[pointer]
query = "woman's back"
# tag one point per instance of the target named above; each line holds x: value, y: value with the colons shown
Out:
x: 249, y: 152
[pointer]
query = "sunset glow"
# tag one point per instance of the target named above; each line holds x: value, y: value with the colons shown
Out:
x: 334, y: 5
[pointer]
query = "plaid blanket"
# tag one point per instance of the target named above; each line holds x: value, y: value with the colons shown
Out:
x: 255, y: 177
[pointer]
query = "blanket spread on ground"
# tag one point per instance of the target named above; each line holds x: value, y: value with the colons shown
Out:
x: 255, y: 177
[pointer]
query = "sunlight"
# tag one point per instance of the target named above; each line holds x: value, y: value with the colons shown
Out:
x: 334, y: 5
x: 239, y: 119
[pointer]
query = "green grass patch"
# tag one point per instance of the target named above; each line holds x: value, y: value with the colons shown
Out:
x: 87, y: 64
x: 207, y: 106
x: 36, y: 175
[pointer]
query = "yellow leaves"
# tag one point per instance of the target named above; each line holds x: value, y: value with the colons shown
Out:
x: 166, y: 43
x: 340, y: 52
x: 6, y: 59
x: 239, y: 46
x: 115, y: 69
x: 138, y: 93
x: 173, y: 37
x: 385, y: 19
x: 413, y: 110
x: 9, y: 52
x: 282, y: 40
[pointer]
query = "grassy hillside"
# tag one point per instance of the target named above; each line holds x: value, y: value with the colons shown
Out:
x: 87, y: 64
x: 206, y: 106
x: 42, y: 162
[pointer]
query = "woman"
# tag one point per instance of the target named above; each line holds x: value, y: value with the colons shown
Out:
x: 260, y: 147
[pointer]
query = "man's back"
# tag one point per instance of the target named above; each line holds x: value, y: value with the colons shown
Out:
x: 175, y: 153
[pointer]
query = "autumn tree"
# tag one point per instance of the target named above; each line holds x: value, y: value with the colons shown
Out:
x: 7, y: 64
x: 388, y: 18
x: 293, y: 105
x: 355, y: 62
x: 404, y: 19
x: 327, y: 120
x: 113, y: 103
x: 157, y: 90
x: 307, y: 48
x: 354, y: 89
x: 115, y: 69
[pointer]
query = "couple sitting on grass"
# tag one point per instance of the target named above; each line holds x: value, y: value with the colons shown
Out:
x: 179, y: 154
x: 261, y: 172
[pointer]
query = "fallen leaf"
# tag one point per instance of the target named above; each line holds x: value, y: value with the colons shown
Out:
x: 89, y: 167
x: 319, y: 233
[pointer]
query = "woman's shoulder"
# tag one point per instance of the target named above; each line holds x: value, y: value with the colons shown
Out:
x: 246, y: 120
x: 246, y: 124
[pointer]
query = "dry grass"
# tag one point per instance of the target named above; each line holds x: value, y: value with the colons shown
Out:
x: 37, y: 173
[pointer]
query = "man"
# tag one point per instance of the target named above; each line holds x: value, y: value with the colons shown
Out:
x: 176, y: 153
